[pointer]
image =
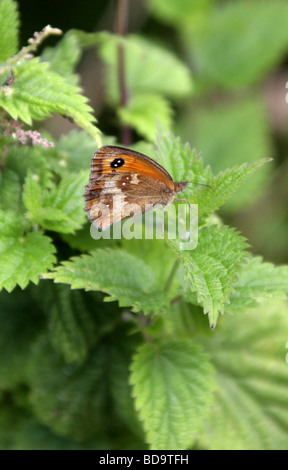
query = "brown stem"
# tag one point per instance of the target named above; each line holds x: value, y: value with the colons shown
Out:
x: 121, y: 26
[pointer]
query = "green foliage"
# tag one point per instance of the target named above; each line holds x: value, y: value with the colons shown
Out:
x: 145, y: 112
x: 250, y: 410
x: 258, y: 282
x: 112, y: 348
x: 8, y: 29
x: 60, y: 208
x: 171, y: 79
x: 64, y: 57
x: 23, y: 257
x: 124, y: 277
x: 190, y: 12
x: 38, y: 92
x: 173, y: 385
x: 238, y: 21
x: 56, y: 386
x: 212, y: 268
x: 222, y: 146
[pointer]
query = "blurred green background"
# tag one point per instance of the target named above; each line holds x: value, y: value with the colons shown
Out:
x: 236, y: 111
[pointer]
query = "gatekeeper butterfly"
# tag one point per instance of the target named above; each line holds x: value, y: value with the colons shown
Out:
x: 123, y: 183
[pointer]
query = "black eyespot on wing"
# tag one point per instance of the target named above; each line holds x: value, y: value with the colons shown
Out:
x: 117, y: 163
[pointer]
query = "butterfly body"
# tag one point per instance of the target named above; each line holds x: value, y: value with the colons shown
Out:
x: 124, y: 183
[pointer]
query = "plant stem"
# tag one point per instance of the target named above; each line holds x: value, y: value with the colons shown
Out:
x: 172, y: 275
x: 121, y: 20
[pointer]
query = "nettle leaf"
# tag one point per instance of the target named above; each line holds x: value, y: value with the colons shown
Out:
x: 227, y: 146
x: 248, y: 353
x: 32, y: 194
x: 18, y: 160
x: 79, y: 400
x: 37, y: 92
x: 8, y: 29
x: 178, y: 158
x: 28, y: 434
x: 173, y: 389
x: 64, y: 57
x: 59, y: 208
x: 22, y: 158
x: 72, y: 326
x: 185, y: 165
x: 68, y: 398
x: 145, y: 112
x: 258, y: 282
x: 170, y: 12
x: 224, y: 185
x: 212, y: 268
x: 245, y: 30
x: 69, y: 147
x: 172, y: 79
x: 20, y: 325
x: 151, y: 251
x: 64, y: 158
x: 10, y: 190
x: 114, y: 271
x: 23, y: 257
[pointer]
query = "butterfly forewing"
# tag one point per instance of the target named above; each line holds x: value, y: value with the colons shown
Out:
x: 126, y: 183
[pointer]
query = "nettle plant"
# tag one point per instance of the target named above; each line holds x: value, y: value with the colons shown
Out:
x: 106, y: 344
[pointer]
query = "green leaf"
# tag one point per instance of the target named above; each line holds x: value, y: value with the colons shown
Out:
x: 82, y: 240
x: 72, y: 390
x: 171, y: 79
x: 123, y: 276
x: 240, y: 43
x: 258, y: 282
x: 27, y: 434
x: 23, y: 258
x: 76, y: 319
x: 224, y: 185
x: 37, y: 92
x: 212, y: 268
x: 151, y: 251
x: 177, y: 158
x: 144, y: 113
x: 77, y: 400
x: 64, y: 158
x: 61, y: 207
x: 240, y: 135
x: 32, y: 194
x: 18, y: 160
x: 172, y: 386
x: 248, y: 353
x: 20, y: 324
x: 64, y: 57
x: 184, y: 165
x: 10, y: 190
x: 8, y: 29
x: 72, y: 321
x: 189, y: 12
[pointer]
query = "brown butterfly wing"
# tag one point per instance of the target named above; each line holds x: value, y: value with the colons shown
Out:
x: 134, y: 162
x: 124, y: 183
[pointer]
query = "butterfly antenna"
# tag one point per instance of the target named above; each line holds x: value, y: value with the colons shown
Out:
x: 202, y: 184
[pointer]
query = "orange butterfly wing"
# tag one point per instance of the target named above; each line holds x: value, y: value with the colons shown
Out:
x: 131, y: 179
x: 134, y: 162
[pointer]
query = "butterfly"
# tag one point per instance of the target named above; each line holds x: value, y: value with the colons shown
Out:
x: 125, y: 183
